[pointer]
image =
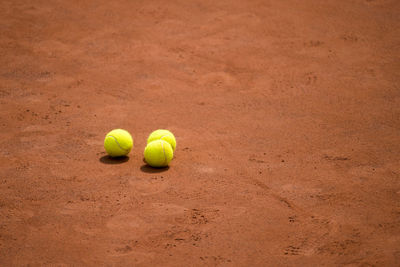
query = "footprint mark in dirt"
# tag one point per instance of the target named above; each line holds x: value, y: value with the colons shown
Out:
x: 311, y: 78
x: 256, y: 160
x: 336, y: 158
x: 123, y: 250
x: 292, y: 251
x: 197, y: 217
x: 352, y: 38
x: 313, y: 43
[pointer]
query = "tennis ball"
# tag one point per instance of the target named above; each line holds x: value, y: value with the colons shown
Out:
x: 163, y: 135
x: 158, y: 153
x: 118, y: 143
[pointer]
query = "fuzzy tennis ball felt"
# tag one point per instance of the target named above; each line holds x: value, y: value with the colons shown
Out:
x: 118, y: 143
x: 163, y: 135
x: 158, y: 153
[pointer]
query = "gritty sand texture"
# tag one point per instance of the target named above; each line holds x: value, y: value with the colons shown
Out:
x: 286, y: 113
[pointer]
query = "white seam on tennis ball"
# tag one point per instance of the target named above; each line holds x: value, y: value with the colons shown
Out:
x: 115, y: 139
x: 165, y: 135
x: 165, y: 157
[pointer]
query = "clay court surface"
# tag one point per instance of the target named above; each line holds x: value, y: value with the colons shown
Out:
x: 286, y: 113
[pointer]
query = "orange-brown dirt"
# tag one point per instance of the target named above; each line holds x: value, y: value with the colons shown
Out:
x: 286, y: 113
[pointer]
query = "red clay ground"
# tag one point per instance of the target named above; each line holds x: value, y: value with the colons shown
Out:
x: 287, y: 117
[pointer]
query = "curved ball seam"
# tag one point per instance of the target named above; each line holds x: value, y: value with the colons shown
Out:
x: 166, y: 135
x: 165, y: 157
x: 115, y: 139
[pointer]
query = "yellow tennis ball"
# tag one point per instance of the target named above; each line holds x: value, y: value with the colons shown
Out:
x: 118, y: 143
x: 163, y: 135
x: 158, y: 153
